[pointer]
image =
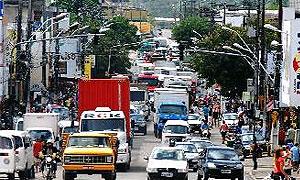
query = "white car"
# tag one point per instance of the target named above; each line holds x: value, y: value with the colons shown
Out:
x: 195, y: 121
x: 24, y: 153
x: 8, y: 155
x: 191, y: 154
x: 167, y: 162
x: 177, y: 130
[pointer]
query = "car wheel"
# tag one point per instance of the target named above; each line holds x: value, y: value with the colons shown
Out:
x: 22, y: 174
x: 67, y: 176
x: 241, y: 178
x: 11, y: 176
x: 205, y: 177
x: 145, y: 132
x: 112, y: 176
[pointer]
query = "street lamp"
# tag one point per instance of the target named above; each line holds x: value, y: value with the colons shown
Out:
x: 197, y: 33
x: 238, y: 34
x: 247, y: 58
x: 271, y: 27
x: 116, y: 46
x: 57, y: 18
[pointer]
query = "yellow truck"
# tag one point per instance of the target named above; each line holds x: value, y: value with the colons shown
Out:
x: 90, y: 153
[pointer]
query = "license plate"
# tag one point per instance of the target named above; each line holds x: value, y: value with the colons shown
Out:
x: 223, y: 171
x: 167, y: 174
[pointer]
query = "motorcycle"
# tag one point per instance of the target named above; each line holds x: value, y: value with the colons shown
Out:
x: 48, y: 173
x: 205, y: 133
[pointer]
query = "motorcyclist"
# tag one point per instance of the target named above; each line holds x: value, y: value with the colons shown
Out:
x: 49, y: 150
x: 204, y: 127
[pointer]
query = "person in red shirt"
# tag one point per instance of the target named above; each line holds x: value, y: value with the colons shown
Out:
x: 223, y: 131
x: 37, y: 148
x: 279, y: 165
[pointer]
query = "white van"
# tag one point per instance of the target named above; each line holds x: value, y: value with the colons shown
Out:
x: 24, y: 153
x: 178, y: 130
x: 7, y: 155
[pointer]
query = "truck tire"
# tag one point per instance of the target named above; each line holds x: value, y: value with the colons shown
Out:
x: 22, y: 174
x: 11, y: 176
x: 68, y: 176
x: 111, y: 176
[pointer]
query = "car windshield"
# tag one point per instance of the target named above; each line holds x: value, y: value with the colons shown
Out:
x: 187, y: 148
x: 43, y: 134
x: 18, y: 141
x: 249, y: 137
x: 230, y: 116
x: 193, y: 117
x: 70, y: 129
x: 88, y: 142
x: 137, y: 117
x: 202, y: 144
x: 172, y: 109
x: 167, y: 154
x: 63, y: 113
x: 102, y: 125
x: 149, y: 81
x: 222, y: 154
x: 5, y: 143
x: 176, y: 129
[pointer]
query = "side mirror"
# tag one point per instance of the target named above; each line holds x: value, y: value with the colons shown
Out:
x: 146, y: 158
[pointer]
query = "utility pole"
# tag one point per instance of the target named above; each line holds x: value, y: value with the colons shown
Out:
x: 15, y: 74
x: 26, y: 97
x: 44, y: 56
x: 56, y: 57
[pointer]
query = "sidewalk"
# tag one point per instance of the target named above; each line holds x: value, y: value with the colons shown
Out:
x: 265, y: 167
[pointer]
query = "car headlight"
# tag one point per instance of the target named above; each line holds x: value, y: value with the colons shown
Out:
x: 151, y: 170
x: 211, y: 165
x: 67, y: 159
x: 239, y: 166
x: 109, y: 159
x: 48, y: 159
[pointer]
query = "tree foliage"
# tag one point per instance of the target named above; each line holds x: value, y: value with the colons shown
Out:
x: 88, y: 13
x: 184, y: 31
x: 231, y: 72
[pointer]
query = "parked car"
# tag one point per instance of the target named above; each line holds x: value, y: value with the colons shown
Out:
x: 167, y: 163
x: 201, y: 144
x: 231, y: 120
x: 220, y: 163
x: 24, y: 153
x: 191, y: 154
x: 140, y: 125
x: 247, y: 141
x: 8, y: 155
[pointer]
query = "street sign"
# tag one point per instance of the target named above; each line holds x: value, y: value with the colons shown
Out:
x: 246, y: 96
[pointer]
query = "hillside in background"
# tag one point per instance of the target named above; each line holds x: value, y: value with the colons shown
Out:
x: 169, y: 8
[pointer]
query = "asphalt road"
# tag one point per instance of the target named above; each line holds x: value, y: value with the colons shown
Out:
x: 143, y: 146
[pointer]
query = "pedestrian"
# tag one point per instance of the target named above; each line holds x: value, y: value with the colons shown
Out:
x: 295, y: 157
x: 279, y: 165
x: 37, y: 147
x: 223, y: 130
x: 287, y: 160
x: 281, y: 136
x: 206, y: 112
x: 291, y: 133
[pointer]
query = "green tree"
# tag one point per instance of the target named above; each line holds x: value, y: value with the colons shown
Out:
x: 230, y: 72
x: 88, y: 13
x: 184, y: 30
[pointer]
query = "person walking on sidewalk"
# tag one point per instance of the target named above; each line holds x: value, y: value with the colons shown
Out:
x: 278, y: 166
x: 291, y: 133
x: 287, y: 161
x: 223, y: 131
x: 295, y: 157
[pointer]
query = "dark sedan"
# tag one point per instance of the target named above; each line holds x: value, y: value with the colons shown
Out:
x: 140, y: 125
x: 220, y: 163
x: 247, y: 141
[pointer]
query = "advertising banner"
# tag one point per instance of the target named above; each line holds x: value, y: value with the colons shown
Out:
x: 290, y: 75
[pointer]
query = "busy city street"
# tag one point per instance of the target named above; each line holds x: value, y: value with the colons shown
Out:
x: 149, y: 90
